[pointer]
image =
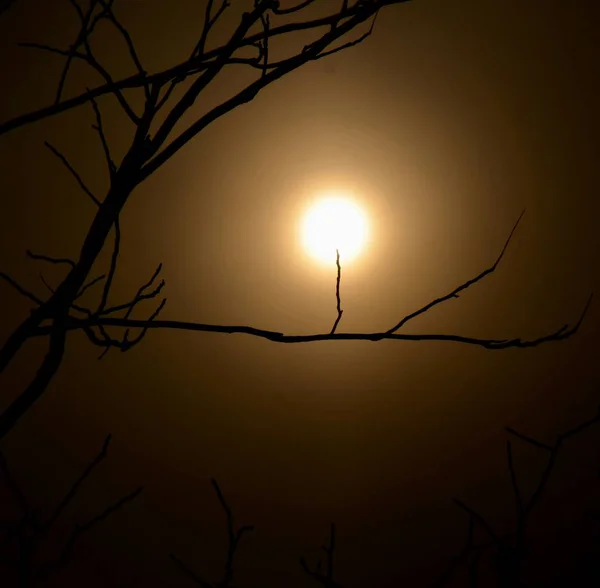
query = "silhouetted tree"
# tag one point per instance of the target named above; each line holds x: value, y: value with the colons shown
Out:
x: 154, y: 115
x: 22, y: 540
x: 153, y: 143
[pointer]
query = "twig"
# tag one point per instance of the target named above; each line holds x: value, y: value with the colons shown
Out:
x: 233, y: 538
x: 77, y: 177
x: 88, y: 285
x: 464, y: 286
x: 110, y: 15
x: 360, y: 12
x: 337, y: 292
x: 53, y: 260
x: 326, y: 579
x: 98, y: 127
x: 81, y: 529
x: 75, y: 486
x: 20, y: 288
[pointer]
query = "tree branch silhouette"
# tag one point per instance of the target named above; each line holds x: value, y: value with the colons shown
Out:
x: 511, y: 548
x: 325, y: 578
x: 32, y: 528
x: 233, y: 538
x: 53, y: 317
x: 337, y: 292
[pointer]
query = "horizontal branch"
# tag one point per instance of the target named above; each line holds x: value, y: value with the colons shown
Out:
x: 74, y: 324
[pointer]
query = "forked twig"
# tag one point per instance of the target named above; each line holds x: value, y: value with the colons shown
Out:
x: 233, y: 538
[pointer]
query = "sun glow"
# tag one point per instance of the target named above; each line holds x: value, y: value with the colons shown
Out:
x: 334, y: 223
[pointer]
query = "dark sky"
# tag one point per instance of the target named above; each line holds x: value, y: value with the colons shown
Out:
x: 453, y: 117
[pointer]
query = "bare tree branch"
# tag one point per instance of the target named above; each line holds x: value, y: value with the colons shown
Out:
x: 553, y: 454
x: 233, y: 538
x: 72, y: 323
x: 77, y: 177
x: 511, y: 549
x: 324, y: 578
x: 99, y: 128
x: 84, y: 528
x: 49, y: 259
x: 190, y: 67
x: 32, y: 529
x: 464, y: 286
x: 89, y: 285
x: 78, y: 482
x: 20, y: 289
x: 337, y: 292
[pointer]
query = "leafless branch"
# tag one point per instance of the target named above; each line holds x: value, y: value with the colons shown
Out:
x: 198, y: 50
x: 511, y: 549
x: 49, y: 259
x: 20, y: 288
x: 89, y: 285
x: 84, y: 528
x: 478, y: 519
x: 99, y: 128
x: 88, y: 57
x: 464, y: 286
x: 361, y: 11
x: 209, y: 23
x: 110, y: 15
x: 190, y: 573
x: 83, y: 33
x: 77, y: 177
x: 233, y: 538
x: 141, y: 295
x: 553, y: 454
x: 73, y: 324
x: 78, y: 482
x: 30, y: 530
x: 337, y: 292
x: 324, y: 578
x: 458, y: 559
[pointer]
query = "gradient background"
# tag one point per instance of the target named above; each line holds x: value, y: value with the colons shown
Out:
x: 446, y: 123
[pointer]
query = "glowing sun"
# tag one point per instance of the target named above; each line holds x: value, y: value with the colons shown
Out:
x: 334, y: 223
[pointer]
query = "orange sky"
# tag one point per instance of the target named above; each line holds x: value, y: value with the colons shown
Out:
x: 452, y: 118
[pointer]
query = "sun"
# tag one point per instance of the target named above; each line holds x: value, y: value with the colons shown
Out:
x: 334, y: 223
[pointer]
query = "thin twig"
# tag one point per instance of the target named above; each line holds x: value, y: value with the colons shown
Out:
x: 326, y: 579
x: 49, y: 259
x: 233, y: 538
x: 20, y: 288
x: 360, y: 12
x: 81, y: 529
x: 464, y: 286
x: 71, y: 169
x: 78, y: 482
x: 337, y: 292
x: 99, y: 128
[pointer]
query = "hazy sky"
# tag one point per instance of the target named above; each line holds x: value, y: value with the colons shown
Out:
x: 452, y: 118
